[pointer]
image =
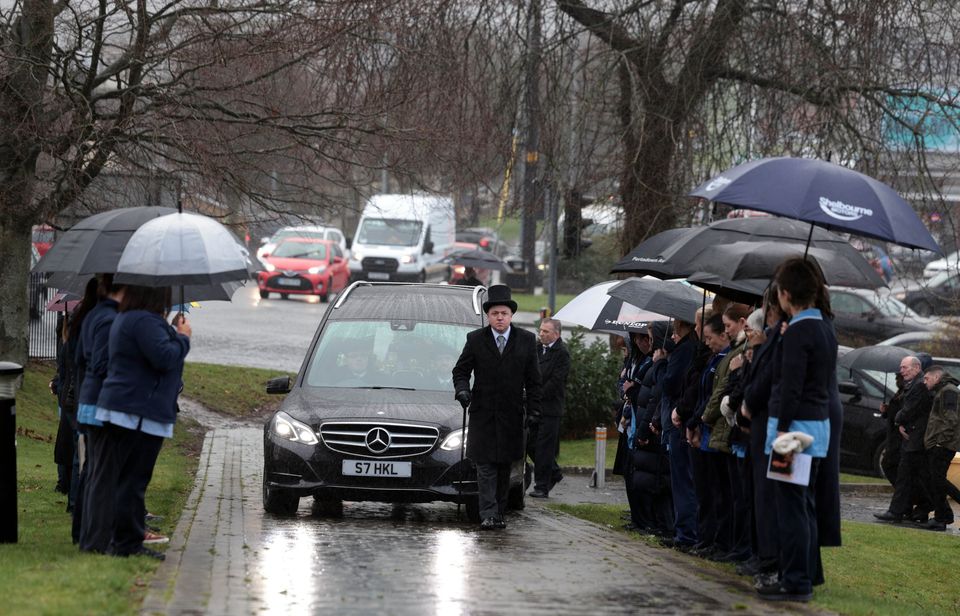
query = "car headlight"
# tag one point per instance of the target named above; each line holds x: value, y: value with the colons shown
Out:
x: 269, y: 267
x: 455, y: 440
x: 407, y: 259
x: 356, y: 256
x: 316, y: 270
x: 289, y: 428
x: 901, y: 295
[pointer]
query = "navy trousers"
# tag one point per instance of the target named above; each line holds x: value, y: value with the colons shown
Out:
x: 136, y: 454
x: 800, y: 565
x: 681, y: 485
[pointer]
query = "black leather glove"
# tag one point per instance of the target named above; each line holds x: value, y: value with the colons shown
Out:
x: 463, y: 397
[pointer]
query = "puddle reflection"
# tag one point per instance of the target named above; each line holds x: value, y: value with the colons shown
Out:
x: 290, y: 568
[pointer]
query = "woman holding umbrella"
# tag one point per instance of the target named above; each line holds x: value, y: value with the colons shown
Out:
x: 138, y: 404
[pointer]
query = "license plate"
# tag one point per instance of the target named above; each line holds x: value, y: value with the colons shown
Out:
x: 288, y: 282
x: 374, y: 468
x: 378, y: 276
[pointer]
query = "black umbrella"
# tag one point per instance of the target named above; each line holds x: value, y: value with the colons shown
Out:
x: 841, y: 264
x: 748, y: 291
x: 94, y: 244
x: 823, y: 194
x: 881, y: 358
x: 671, y: 298
x: 480, y: 259
x: 679, y: 259
x: 598, y: 311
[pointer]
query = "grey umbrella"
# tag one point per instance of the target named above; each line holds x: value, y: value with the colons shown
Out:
x: 94, y: 244
x: 671, y: 298
x: 182, y: 249
x: 882, y: 358
x: 75, y: 283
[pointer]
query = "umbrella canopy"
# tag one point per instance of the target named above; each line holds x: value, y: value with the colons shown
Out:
x: 677, y: 258
x: 63, y: 301
x: 596, y: 310
x: 747, y: 291
x: 221, y: 291
x: 820, y: 193
x: 182, y: 249
x: 480, y: 259
x: 94, y: 244
x: 671, y: 298
x: 841, y: 265
x: 881, y: 358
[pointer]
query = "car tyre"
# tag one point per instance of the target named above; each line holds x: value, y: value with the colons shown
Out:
x: 473, y: 509
x: 279, y: 501
x: 264, y: 294
x: 325, y: 297
x: 878, y: 455
x: 423, y: 276
x: 284, y: 296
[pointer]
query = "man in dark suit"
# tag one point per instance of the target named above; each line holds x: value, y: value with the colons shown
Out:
x: 545, y: 432
x: 505, y: 369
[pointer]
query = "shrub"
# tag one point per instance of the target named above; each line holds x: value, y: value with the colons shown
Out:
x: 591, y: 386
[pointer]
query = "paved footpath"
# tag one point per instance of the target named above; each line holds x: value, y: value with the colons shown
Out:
x: 227, y: 557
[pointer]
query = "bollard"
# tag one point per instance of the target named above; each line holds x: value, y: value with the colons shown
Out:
x: 599, y: 477
x: 9, y: 377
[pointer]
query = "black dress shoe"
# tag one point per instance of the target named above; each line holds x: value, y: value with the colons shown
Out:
x: 501, y: 524
x: 539, y: 494
x: 556, y: 479
x: 776, y: 592
x: 489, y: 524
x: 888, y: 516
x: 935, y: 525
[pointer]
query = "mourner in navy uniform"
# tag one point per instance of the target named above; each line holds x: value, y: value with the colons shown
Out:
x: 506, y: 377
x: 545, y: 431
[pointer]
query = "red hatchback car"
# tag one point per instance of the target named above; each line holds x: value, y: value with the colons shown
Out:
x: 304, y: 266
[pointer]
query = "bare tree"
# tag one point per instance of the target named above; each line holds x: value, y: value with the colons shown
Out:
x: 704, y: 85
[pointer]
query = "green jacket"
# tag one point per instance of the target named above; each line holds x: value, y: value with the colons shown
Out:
x: 719, y: 428
x: 943, y: 426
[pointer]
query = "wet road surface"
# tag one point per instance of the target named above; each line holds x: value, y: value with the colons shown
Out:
x: 228, y: 557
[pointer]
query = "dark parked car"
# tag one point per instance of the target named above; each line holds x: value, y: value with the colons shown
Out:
x: 864, y: 430
x: 867, y: 317
x: 371, y: 414
x: 938, y: 295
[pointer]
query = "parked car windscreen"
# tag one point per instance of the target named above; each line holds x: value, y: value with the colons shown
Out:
x: 384, y: 354
x: 301, y: 250
x: 892, y: 307
x: 389, y: 232
x: 286, y: 234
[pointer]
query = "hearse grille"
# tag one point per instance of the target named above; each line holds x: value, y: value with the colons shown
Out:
x: 371, y: 439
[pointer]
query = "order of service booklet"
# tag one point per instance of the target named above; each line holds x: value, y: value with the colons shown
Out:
x: 795, y: 470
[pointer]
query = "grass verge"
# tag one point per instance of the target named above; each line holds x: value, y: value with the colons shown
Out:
x: 880, y: 570
x: 44, y: 573
x: 527, y: 302
x: 231, y: 390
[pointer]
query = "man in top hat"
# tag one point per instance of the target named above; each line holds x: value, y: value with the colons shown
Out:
x: 506, y: 373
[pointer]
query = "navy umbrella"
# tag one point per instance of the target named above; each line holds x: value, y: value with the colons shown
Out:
x: 823, y: 194
x: 759, y: 260
x: 671, y: 298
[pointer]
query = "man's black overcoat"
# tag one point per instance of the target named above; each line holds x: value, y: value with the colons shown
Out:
x: 495, y: 426
x: 554, y: 368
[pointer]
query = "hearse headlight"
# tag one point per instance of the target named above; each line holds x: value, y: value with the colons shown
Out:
x: 289, y: 428
x: 454, y: 440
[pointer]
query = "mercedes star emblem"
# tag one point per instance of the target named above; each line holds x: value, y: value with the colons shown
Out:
x: 378, y: 440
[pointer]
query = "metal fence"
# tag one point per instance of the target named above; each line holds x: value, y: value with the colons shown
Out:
x: 43, y: 323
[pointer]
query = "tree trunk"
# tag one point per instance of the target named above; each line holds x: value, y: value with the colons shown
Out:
x: 648, y: 202
x: 15, y: 238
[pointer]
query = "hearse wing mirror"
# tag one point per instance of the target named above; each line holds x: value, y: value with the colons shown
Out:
x: 279, y: 385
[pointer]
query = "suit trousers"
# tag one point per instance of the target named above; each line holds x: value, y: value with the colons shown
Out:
x: 911, y: 488
x: 493, y: 487
x: 768, y: 541
x: 800, y: 566
x: 681, y: 486
x: 545, y: 467
x: 96, y: 509
x: 136, y: 453
x: 939, y: 459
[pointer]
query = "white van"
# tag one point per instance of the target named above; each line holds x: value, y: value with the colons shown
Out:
x: 403, y: 238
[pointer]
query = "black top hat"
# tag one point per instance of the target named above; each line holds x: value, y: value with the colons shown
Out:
x: 499, y: 295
